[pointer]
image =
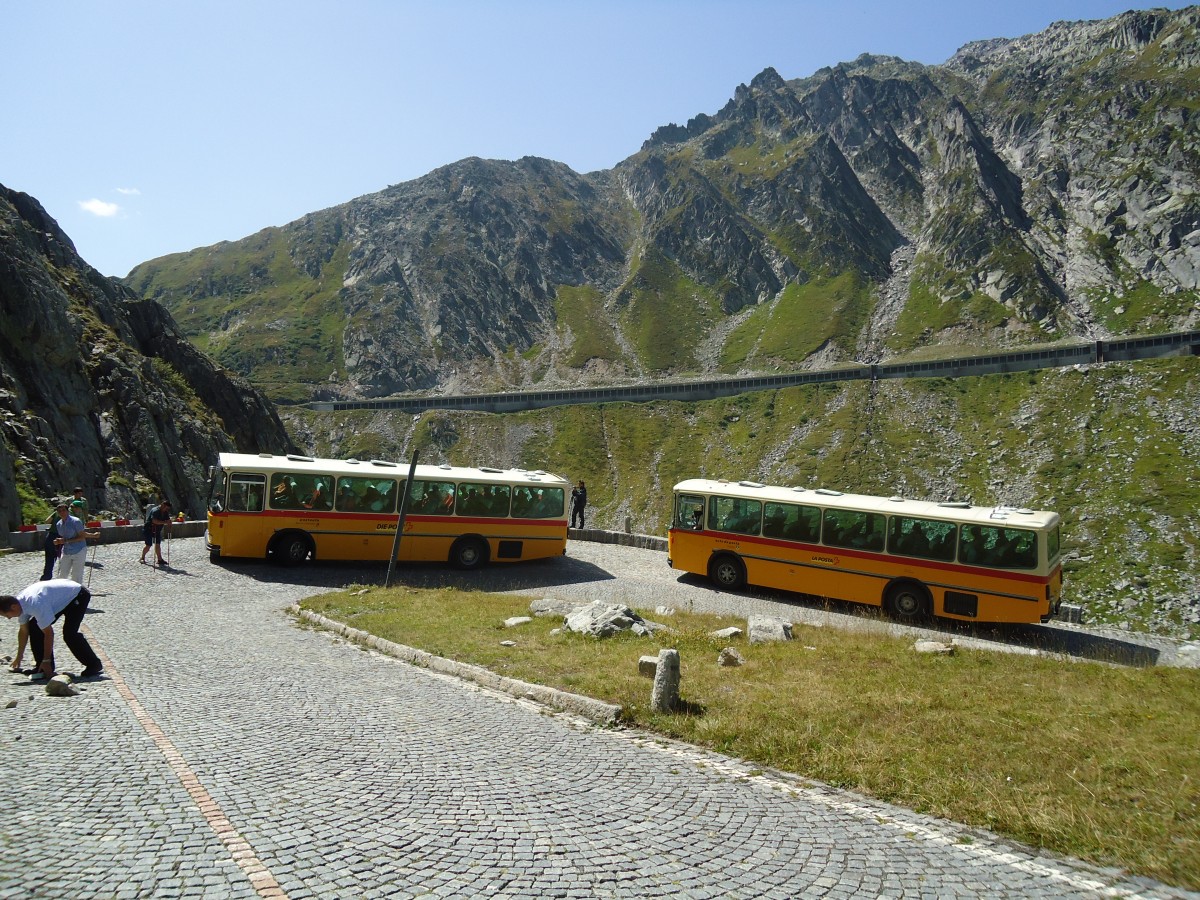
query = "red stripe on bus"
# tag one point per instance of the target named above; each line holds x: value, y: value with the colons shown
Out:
x: 892, y: 558
x: 382, y: 517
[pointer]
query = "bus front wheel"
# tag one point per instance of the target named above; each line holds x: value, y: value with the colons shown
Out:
x: 727, y: 571
x: 290, y: 550
x: 907, y: 601
x: 468, y: 553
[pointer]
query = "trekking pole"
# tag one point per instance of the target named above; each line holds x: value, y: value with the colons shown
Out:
x: 92, y: 567
x: 170, y: 530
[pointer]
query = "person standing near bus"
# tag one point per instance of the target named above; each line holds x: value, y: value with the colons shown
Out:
x: 158, y: 519
x: 72, y: 540
x: 578, y: 502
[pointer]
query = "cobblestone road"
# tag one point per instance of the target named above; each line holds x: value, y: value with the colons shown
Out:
x: 234, y: 754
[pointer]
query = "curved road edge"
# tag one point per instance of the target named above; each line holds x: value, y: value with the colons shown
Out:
x: 585, y: 707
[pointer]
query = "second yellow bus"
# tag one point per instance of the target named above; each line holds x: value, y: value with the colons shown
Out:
x: 914, y: 558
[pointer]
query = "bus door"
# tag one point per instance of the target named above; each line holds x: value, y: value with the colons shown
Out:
x: 242, y: 530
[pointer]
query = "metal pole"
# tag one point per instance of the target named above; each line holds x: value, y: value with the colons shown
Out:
x: 92, y: 567
x: 412, y: 471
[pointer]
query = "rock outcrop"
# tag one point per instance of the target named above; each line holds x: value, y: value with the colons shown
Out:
x: 99, y: 388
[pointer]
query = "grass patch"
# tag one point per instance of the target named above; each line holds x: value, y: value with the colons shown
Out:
x: 582, y: 310
x: 939, y: 300
x: 34, y: 509
x: 666, y: 314
x: 266, y: 306
x: 1144, y: 308
x: 1078, y: 758
x: 803, y: 318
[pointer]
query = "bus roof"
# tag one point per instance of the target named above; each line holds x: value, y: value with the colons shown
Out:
x: 926, y: 509
x: 380, y: 468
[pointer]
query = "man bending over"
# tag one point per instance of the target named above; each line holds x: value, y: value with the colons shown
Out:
x: 36, y: 609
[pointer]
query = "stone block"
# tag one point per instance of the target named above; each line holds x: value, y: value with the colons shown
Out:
x: 1070, y: 612
x: 766, y: 628
x: 938, y: 647
x: 729, y: 657
x: 665, y: 695
x: 61, y: 686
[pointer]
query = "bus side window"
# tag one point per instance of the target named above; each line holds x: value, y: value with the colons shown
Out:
x: 246, y: 493
x: 735, y: 515
x: 791, y: 522
x: 283, y: 492
x: 924, y: 538
x: 851, y: 528
x: 484, y: 499
x: 1001, y: 548
x: 1016, y: 548
x: 551, y: 502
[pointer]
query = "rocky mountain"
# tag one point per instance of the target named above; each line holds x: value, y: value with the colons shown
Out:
x: 100, y: 388
x: 1026, y: 190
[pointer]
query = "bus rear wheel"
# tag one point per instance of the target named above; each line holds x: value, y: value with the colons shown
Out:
x: 290, y: 550
x: 727, y: 571
x: 907, y: 601
x: 468, y: 553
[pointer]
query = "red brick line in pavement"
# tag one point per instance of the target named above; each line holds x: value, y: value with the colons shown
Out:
x: 239, y: 849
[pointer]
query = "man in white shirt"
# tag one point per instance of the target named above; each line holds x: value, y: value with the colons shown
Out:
x: 36, y: 609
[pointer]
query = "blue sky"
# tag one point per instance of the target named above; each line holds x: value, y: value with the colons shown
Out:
x: 148, y: 128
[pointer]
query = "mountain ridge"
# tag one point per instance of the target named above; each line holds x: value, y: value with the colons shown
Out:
x: 1006, y: 169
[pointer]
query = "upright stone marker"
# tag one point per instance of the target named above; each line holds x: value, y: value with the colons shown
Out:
x: 665, y: 695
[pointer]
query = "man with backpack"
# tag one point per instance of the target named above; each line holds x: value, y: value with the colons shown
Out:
x: 157, y: 518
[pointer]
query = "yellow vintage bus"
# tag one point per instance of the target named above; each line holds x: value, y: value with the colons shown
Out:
x: 914, y: 558
x: 292, y: 508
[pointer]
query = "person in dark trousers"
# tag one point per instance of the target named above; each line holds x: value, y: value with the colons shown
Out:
x: 156, y: 520
x: 578, y: 502
x: 50, y: 548
x: 36, y: 609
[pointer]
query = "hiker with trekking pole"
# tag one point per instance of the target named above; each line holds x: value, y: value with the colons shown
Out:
x: 157, y: 518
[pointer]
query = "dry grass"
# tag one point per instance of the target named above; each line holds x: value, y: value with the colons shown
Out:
x: 1085, y: 759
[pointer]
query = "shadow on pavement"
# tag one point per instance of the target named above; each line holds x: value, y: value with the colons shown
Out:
x: 522, y: 576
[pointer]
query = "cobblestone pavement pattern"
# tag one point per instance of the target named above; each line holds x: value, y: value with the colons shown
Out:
x: 233, y: 754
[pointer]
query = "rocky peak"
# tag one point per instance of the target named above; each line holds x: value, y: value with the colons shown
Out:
x: 767, y: 80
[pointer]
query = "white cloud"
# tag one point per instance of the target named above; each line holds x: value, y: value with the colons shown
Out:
x: 129, y: 192
x: 99, y: 207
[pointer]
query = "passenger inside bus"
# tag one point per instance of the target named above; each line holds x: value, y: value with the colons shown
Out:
x: 317, y: 499
x: 347, y: 500
x: 284, y: 495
